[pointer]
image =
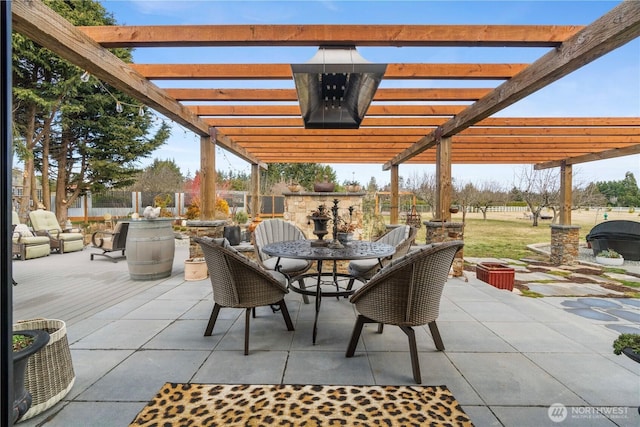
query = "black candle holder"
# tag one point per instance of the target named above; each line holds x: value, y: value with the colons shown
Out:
x: 335, y: 243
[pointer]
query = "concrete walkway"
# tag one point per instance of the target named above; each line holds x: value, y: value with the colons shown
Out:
x: 508, y: 358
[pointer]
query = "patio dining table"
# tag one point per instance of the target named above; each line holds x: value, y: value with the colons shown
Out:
x: 303, y: 249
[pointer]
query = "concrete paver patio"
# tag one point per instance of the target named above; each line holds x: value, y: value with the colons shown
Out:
x: 507, y: 358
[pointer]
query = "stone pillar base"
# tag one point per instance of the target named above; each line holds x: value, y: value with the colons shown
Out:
x: 196, y: 228
x: 564, y: 244
x: 438, y: 231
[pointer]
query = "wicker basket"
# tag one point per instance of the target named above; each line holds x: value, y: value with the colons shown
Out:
x: 49, y: 375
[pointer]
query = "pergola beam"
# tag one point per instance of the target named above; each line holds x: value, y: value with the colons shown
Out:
x: 614, y: 29
x: 283, y: 71
x: 315, y: 35
x: 382, y: 94
x: 591, y: 157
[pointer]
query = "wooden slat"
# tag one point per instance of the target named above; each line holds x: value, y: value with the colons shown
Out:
x: 283, y: 71
x: 294, y: 110
x: 316, y: 35
x: 420, y: 131
x: 382, y: 94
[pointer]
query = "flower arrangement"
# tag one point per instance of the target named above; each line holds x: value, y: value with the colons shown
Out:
x: 346, y: 226
x: 321, y: 212
x: 609, y: 253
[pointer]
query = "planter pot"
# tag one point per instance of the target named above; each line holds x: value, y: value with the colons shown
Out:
x: 497, y: 275
x: 631, y: 355
x: 49, y: 374
x: 294, y: 188
x: 150, y: 248
x: 195, y: 269
x: 232, y: 234
x: 609, y: 261
x: 324, y: 187
x: 454, y: 209
x: 353, y: 188
x: 345, y: 238
x: 22, y: 398
x: 257, y: 220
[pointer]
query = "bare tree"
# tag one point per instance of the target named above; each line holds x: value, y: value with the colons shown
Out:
x: 539, y: 189
x: 424, y: 187
x: 489, y: 194
x: 465, y: 196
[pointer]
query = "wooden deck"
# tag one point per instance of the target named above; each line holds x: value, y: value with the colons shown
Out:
x: 71, y: 287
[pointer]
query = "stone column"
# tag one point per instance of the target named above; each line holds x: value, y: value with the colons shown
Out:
x: 564, y: 244
x: 438, y: 231
x: 197, y: 228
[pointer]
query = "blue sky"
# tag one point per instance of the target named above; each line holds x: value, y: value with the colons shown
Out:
x: 609, y: 86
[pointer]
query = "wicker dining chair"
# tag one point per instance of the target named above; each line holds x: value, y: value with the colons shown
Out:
x: 401, y: 238
x: 238, y: 282
x: 277, y: 230
x: 406, y: 293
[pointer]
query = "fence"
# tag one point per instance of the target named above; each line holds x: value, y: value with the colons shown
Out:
x: 120, y: 204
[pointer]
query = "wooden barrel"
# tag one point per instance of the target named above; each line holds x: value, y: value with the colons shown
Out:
x: 150, y: 248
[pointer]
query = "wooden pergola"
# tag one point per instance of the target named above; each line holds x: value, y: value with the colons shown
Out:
x: 403, y: 125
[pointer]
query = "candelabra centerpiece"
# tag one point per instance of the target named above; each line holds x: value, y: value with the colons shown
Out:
x: 335, y: 243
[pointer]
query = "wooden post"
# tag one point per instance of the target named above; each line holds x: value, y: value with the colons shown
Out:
x: 395, y: 198
x: 255, y: 190
x: 443, y: 179
x: 566, y: 176
x: 208, y: 174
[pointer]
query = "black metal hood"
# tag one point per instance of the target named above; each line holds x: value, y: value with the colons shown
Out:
x: 335, y: 87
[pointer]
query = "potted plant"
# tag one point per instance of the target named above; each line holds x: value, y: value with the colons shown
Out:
x: 294, y: 187
x: 345, y: 230
x: 353, y: 186
x: 25, y: 344
x: 320, y: 218
x: 324, y: 186
x: 629, y: 345
x: 609, y: 257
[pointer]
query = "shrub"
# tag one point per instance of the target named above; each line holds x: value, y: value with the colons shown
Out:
x: 623, y: 341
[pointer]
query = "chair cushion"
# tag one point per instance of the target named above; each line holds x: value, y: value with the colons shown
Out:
x: 67, y: 237
x: 361, y: 266
x: 279, y: 277
x: 286, y: 264
x: 35, y: 240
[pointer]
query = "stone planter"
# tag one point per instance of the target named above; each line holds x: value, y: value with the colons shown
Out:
x: 344, y: 238
x: 195, y: 269
x: 353, y: 188
x: 294, y: 188
x: 610, y: 261
x: 324, y: 187
x: 497, y: 275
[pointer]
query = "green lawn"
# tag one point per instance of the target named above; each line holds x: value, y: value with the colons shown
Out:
x: 508, y: 235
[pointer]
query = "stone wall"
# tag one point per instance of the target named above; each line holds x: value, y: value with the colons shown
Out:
x: 565, y: 241
x: 299, y: 206
x: 437, y: 231
x: 196, y: 228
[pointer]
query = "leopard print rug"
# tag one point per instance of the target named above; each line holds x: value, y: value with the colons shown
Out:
x: 301, y: 405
